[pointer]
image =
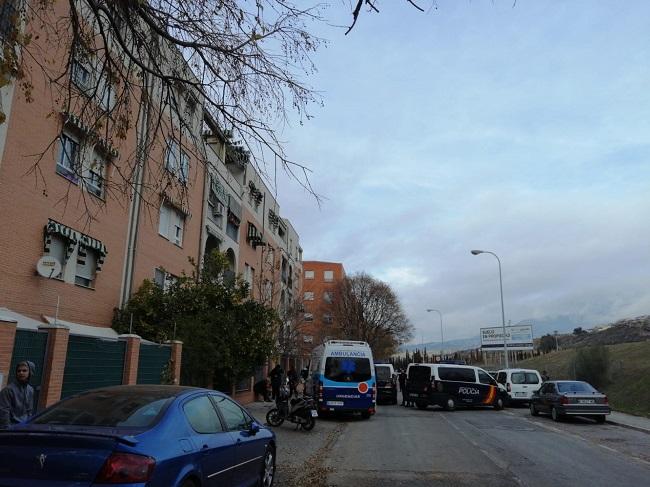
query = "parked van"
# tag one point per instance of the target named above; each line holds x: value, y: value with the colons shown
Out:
x: 450, y: 386
x: 386, y: 384
x: 520, y: 384
x: 342, y: 377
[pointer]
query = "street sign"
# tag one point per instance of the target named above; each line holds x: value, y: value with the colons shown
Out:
x: 519, y: 337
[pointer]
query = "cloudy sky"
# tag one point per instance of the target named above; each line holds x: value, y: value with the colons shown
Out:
x: 476, y: 125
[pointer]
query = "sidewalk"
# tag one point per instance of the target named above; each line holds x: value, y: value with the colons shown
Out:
x: 259, y: 409
x: 638, y: 423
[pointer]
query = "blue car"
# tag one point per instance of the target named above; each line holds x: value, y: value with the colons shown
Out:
x: 137, y: 436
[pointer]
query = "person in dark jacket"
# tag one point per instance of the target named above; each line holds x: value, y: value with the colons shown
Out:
x: 17, y: 399
x: 292, y: 375
x: 261, y: 389
x: 276, y: 380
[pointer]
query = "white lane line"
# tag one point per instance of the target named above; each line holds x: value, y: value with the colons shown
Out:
x: 499, y: 462
x: 583, y: 439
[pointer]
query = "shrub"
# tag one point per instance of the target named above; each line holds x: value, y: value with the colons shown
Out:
x: 591, y: 364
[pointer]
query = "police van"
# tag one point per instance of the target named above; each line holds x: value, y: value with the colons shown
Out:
x: 342, y: 377
x: 450, y: 386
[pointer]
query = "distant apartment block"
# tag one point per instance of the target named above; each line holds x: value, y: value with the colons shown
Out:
x: 319, y: 295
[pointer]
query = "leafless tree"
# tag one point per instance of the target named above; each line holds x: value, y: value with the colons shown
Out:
x: 368, y: 309
x: 149, y: 70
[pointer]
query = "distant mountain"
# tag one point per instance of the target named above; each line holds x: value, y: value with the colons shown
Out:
x: 450, y: 346
x: 561, y: 324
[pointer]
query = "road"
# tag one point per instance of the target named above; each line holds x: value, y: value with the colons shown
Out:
x: 408, y: 447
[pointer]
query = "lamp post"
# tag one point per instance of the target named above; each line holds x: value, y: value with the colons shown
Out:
x: 442, y: 336
x: 503, y: 314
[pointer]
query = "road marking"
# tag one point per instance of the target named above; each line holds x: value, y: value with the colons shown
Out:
x: 581, y: 438
x: 499, y: 462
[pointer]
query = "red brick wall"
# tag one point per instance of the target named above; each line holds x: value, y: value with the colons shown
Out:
x: 7, y: 339
x: 318, y: 286
x: 131, y: 359
x: 54, y: 364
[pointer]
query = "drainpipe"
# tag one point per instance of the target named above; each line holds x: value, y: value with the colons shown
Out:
x: 142, y: 137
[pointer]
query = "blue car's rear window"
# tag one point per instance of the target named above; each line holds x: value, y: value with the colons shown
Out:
x: 112, y: 409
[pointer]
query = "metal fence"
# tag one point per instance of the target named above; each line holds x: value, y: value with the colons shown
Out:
x: 92, y: 363
x: 153, y: 362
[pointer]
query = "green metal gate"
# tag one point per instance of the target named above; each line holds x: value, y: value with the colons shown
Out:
x: 30, y: 345
x: 153, y: 360
x: 92, y: 363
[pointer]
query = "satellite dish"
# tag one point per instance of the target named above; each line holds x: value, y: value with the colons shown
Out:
x: 48, y: 266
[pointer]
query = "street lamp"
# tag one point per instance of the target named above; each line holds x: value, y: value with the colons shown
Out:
x: 503, y: 314
x: 442, y: 337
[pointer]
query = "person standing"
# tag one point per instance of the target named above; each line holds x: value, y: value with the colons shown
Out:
x: 17, y: 399
x: 276, y: 381
x: 292, y: 375
x: 402, y: 386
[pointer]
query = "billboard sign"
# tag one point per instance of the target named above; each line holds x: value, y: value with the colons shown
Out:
x: 519, y: 337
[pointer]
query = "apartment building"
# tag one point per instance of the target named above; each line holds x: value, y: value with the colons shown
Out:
x: 75, y: 247
x: 319, y: 294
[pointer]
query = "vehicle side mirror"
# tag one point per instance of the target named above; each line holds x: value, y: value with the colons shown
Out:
x: 254, y: 428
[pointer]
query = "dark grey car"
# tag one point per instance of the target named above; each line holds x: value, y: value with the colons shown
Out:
x: 569, y: 397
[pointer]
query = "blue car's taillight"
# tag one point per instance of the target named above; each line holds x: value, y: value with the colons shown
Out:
x: 125, y: 468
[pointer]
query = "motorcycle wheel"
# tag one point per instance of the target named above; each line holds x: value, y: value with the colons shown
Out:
x: 309, y: 425
x: 274, y: 418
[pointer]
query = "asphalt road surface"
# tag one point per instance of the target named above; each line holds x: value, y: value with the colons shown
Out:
x: 408, y: 447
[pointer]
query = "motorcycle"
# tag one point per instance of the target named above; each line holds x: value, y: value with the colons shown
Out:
x: 300, y: 410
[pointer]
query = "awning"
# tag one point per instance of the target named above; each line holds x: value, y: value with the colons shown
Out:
x: 73, y: 238
x: 27, y: 323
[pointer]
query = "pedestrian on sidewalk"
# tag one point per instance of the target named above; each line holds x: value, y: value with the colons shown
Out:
x: 17, y: 399
x: 276, y: 380
x: 545, y: 376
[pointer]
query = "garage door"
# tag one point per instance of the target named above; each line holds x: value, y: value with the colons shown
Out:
x: 153, y: 363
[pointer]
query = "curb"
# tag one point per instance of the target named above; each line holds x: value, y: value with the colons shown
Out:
x: 629, y: 426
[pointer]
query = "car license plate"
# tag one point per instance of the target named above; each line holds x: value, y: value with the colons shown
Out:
x: 335, y: 403
x: 586, y: 401
x: 314, y: 413
x: 520, y: 394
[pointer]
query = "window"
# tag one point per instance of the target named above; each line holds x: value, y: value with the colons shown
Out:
x: 177, y: 161
x: 419, y: 374
x: 81, y: 76
x: 106, y: 95
x: 57, y: 248
x: 171, y: 224
x: 484, y: 378
x: 202, y: 416
x: 68, y: 159
x: 8, y: 12
x: 579, y: 387
x: 249, y: 275
x: 94, y: 175
x: 235, y: 417
x: 328, y: 276
x: 163, y: 280
x: 126, y: 407
x: 308, y: 338
x: 457, y: 374
x: 309, y: 274
x: 328, y: 297
x: 327, y: 318
x: 501, y: 378
x: 309, y: 296
x: 232, y: 230
x: 347, y: 369
x: 524, y: 378
x: 309, y: 317
x: 86, y: 266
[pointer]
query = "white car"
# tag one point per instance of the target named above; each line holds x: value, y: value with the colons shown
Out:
x: 520, y: 384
